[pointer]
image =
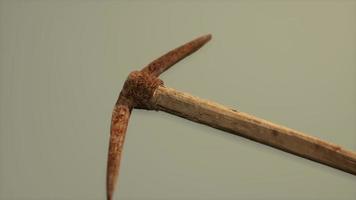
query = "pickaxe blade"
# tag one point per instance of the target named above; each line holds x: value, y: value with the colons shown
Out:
x: 144, y: 90
x: 130, y: 98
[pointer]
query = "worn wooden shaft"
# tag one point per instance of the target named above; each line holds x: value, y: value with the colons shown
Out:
x: 248, y: 126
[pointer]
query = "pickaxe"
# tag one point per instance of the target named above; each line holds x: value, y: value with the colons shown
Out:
x: 143, y: 90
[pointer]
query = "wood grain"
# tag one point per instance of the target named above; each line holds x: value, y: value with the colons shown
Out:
x: 248, y: 126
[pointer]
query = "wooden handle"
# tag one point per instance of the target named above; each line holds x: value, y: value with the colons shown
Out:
x: 248, y: 126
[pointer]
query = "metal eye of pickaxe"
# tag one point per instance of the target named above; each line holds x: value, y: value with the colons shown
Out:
x: 144, y: 90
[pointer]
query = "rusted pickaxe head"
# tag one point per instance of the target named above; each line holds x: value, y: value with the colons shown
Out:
x: 136, y: 93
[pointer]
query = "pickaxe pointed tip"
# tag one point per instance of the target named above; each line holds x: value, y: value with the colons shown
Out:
x: 207, y: 37
x: 163, y: 63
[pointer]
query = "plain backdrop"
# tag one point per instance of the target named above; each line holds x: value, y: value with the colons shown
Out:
x: 63, y: 63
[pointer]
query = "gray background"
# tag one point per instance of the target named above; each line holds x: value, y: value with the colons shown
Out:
x: 63, y: 63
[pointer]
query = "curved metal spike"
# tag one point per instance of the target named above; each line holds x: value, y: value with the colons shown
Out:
x: 124, y: 106
x: 161, y: 64
x: 119, y: 122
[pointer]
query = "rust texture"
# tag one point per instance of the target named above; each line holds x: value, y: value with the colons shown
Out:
x: 139, y: 88
x: 136, y: 93
x: 119, y: 122
x: 161, y: 64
